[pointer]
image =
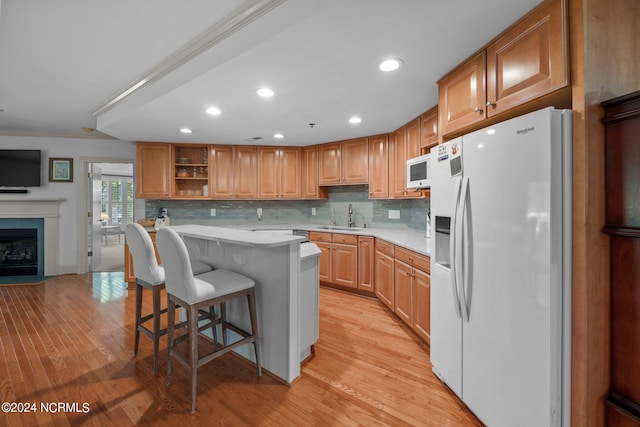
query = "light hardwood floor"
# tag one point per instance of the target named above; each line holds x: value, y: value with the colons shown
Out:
x: 70, y: 340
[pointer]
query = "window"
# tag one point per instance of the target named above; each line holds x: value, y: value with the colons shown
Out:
x: 117, y: 200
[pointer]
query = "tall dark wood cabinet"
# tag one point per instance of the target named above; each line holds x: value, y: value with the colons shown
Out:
x: 622, y: 139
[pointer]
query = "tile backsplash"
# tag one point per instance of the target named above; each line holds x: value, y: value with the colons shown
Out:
x: 373, y: 213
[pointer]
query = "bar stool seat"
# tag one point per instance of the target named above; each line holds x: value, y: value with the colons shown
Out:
x: 196, y: 295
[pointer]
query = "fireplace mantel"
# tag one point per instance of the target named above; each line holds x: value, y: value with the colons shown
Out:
x: 49, y: 210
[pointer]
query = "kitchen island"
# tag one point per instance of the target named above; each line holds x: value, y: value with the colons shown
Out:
x: 273, y: 261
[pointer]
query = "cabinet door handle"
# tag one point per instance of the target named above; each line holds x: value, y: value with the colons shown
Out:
x: 491, y: 104
x: 478, y: 110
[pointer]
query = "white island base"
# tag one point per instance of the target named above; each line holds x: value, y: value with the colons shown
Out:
x: 274, y: 262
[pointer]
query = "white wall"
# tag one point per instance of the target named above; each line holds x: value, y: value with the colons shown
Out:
x: 75, y: 148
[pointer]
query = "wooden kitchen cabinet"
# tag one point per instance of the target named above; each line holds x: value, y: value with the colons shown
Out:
x: 234, y: 172
x: 329, y: 171
x: 279, y: 173
x: 384, y: 273
x: 413, y: 290
x: 153, y: 165
x: 461, y: 95
x: 325, y: 261
x: 346, y: 162
x: 379, y: 167
x: 344, y: 260
x: 344, y: 265
x: 190, y: 171
x: 403, y: 290
x: 527, y: 61
x: 310, y: 187
x: 429, y: 129
x: 366, y: 253
x: 404, y: 144
x: 422, y: 305
x: 338, y: 258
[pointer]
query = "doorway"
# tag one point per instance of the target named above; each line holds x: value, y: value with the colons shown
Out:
x: 111, y: 208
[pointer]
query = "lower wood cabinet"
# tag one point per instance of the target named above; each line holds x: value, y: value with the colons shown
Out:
x: 344, y: 264
x: 421, y: 324
x: 338, y: 258
x: 403, y: 292
x: 384, y: 272
x: 365, y: 264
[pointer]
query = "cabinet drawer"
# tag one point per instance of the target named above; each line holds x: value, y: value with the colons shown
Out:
x: 414, y: 259
x: 315, y: 236
x: 347, y: 239
x: 384, y: 247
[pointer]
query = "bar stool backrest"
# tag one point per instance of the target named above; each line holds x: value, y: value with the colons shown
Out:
x: 179, y: 278
x: 145, y: 264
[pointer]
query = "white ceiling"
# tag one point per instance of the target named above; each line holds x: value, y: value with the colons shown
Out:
x: 65, y: 64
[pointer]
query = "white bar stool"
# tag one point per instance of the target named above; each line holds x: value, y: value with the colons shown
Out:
x: 196, y: 294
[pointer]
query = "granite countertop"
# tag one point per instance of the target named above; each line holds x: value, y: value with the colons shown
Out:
x: 236, y: 236
x: 409, y: 239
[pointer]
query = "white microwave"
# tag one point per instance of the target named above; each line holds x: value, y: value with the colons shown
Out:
x: 419, y: 172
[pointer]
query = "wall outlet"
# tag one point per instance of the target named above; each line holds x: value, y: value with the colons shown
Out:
x: 259, y: 211
x: 313, y: 211
x: 394, y: 214
x: 213, y: 212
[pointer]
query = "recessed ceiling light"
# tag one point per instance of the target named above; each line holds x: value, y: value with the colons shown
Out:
x: 355, y: 120
x: 390, y: 64
x: 186, y: 130
x: 265, y: 92
x: 214, y: 111
x: 278, y: 135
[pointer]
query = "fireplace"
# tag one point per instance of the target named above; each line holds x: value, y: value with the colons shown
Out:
x: 18, y: 251
x: 43, y: 214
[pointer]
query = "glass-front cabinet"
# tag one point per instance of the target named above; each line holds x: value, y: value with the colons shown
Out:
x: 190, y: 171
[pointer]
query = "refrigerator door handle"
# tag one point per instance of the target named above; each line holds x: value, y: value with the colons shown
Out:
x: 461, y: 269
x: 452, y: 247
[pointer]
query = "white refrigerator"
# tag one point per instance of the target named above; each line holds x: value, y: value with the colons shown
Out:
x: 501, y: 269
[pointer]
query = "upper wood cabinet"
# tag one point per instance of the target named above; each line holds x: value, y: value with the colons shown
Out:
x: 429, y: 129
x: 528, y: 60
x: 279, y: 173
x: 461, y: 95
x: 310, y: 187
x: 379, y: 167
x: 190, y: 171
x: 153, y: 165
x: 233, y: 174
x: 345, y: 162
x: 404, y: 144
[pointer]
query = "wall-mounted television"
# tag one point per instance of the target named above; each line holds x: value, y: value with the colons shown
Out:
x: 20, y: 168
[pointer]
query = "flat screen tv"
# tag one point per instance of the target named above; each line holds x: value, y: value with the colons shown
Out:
x: 20, y: 168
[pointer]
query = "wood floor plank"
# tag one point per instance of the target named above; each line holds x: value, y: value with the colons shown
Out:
x: 70, y: 339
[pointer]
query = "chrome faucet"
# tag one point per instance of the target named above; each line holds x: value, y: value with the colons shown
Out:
x: 351, y: 223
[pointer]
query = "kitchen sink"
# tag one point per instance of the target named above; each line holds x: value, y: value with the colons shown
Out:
x: 340, y: 227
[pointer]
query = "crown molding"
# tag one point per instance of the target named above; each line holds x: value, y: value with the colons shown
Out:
x: 93, y: 135
x: 243, y: 16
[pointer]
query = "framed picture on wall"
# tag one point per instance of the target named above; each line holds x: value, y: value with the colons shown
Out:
x: 60, y: 170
